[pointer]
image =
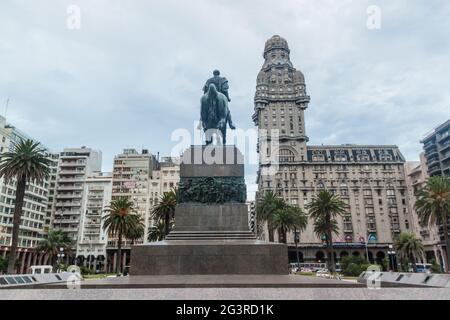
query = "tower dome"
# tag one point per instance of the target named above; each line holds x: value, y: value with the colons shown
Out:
x: 276, y: 42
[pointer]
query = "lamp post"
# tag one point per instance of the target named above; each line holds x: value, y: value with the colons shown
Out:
x: 60, y: 255
x: 296, y: 240
x: 391, y: 253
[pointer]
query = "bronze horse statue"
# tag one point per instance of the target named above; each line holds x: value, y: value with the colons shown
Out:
x: 215, y: 114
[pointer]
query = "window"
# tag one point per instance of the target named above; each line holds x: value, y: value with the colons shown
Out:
x: 286, y: 155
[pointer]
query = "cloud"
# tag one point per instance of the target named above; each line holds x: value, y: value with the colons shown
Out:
x: 134, y: 71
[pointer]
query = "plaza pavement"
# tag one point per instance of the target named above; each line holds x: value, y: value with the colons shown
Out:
x: 231, y: 287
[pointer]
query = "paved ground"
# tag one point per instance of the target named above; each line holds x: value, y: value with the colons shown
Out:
x: 224, y: 287
x: 230, y: 294
x: 214, y: 281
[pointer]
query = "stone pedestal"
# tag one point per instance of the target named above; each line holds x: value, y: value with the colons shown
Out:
x: 211, y: 233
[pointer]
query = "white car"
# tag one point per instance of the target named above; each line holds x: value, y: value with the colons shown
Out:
x: 323, y: 273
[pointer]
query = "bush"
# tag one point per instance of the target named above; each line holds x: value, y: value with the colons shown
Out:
x: 435, y: 267
x: 3, y: 265
x: 84, y: 270
x: 353, y: 266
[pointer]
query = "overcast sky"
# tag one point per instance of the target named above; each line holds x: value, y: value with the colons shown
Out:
x: 133, y: 72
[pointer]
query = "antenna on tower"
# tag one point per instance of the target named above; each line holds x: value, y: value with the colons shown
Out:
x: 6, y: 106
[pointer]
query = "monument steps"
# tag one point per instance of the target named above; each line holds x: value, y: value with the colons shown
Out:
x: 211, y: 235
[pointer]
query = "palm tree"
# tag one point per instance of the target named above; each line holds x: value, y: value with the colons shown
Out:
x: 266, y: 209
x: 136, y: 233
x: 432, y: 206
x: 323, y: 209
x: 165, y: 210
x: 288, y: 218
x: 26, y: 162
x: 121, y: 218
x: 409, y: 247
x: 51, y: 245
x: 157, y: 232
x: 321, y: 228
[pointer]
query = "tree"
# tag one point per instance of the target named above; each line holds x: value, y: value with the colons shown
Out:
x: 353, y: 266
x: 165, y: 210
x: 3, y: 265
x: 432, y: 206
x: 51, y: 245
x: 27, y: 162
x: 323, y: 209
x: 121, y: 218
x: 157, y: 232
x: 266, y: 209
x: 288, y: 218
x: 409, y: 247
x: 136, y: 233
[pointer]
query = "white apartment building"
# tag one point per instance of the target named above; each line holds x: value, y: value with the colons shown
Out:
x: 50, y: 211
x: 74, y: 166
x: 34, y: 210
x: 165, y: 178
x: 92, y: 239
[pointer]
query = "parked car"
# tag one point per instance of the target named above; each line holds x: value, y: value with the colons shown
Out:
x: 421, y: 268
x: 323, y: 273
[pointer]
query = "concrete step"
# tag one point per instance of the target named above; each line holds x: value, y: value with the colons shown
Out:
x: 210, y: 235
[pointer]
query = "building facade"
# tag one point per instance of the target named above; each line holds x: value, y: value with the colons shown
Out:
x: 132, y: 171
x: 75, y: 165
x: 416, y: 176
x: 143, y: 178
x: 369, y: 178
x: 32, y: 227
x: 92, y: 241
x: 437, y: 150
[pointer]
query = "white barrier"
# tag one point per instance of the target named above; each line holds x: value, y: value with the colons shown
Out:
x: 24, y: 280
x: 413, y: 279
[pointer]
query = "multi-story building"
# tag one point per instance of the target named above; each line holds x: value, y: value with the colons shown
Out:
x: 369, y: 178
x: 437, y: 150
x: 32, y: 228
x: 164, y: 178
x: 416, y: 176
x: 131, y: 174
x: 74, y: 166
x: 92, y: 240
x: 143, y: 178
x: 50, y: 212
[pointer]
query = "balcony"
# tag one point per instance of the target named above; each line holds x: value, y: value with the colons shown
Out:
x: 94, y: 205
x: 429, y: 144
x: 68, y: 212
x: 69, y: 196
x: 435, y: 170
x: 69, y: 188
x: 432, y: 161
x: 72, y: 179
x: 71, y: 172
x: 74, y: 230
x: 60, y: 221
x: 95, y: 197
x: 443, y: 137
x: 445, y: 147
x: 64, y: 164
x: 68, y: 204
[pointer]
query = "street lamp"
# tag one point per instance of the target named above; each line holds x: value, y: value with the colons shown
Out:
x: 391, y: 253
x: 297, y: 240
x: 60, y: 255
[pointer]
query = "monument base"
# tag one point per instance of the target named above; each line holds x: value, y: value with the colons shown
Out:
x: 212, y: 257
